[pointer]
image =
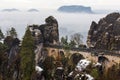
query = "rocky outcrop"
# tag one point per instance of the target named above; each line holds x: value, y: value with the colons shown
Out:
x: 13, y: 48
x: 50, y: 30
x: 44, y: 34
x: 12, y: 59
x: 106, y: 33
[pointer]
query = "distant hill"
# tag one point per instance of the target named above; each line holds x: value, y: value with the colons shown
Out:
x: 75, y: 8
x: 10, y: 10
x: 33, y: 10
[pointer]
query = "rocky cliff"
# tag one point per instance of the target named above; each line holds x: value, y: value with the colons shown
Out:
x: 106, y: 33
x: 44, y: 34
x: 48, y: 32
x: 13, y: 48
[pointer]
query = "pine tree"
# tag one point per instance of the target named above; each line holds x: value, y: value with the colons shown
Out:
x: 72, y: 44
x: 12, y: 32
x: 1, y: 35
x: 27, y: 55
x: 3, y: 49
x: 64, y: 42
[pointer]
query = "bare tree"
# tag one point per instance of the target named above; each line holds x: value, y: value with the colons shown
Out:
x: 77, y: 38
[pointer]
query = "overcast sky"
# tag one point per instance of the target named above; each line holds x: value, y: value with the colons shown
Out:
x: 46, y: 4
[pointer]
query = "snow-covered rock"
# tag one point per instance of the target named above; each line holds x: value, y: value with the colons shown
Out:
x: 89, y: 77
x: 71, y: 73
x: 60, y: 68
x: 82, y: 64
x: 98, y: 64
x: 78, y: 74
x: 2, y: 41
x: 38, y: 69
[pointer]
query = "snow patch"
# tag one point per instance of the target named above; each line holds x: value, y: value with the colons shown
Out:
x: 71, y: 73
x: 118, y: 19
x: 2, y: 41
x: 60, y: 68
x: 98, y: 64
x: 89, y: 77
x: 110, y: 24
x: 82, y: 64
x: 38, y: 69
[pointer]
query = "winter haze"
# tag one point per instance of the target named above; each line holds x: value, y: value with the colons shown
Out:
x: 69, y: 23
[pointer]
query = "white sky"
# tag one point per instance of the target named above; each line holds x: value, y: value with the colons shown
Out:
x: 46, y: 4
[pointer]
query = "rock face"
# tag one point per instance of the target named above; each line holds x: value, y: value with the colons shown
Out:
x: 75, y: 8
x: 44, y: 34
x: 48, y: 32
x: 13, y: 48
x: 106, y: 33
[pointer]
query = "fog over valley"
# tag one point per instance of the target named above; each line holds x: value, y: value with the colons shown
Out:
x: 69, y: 23
x: 59, y: 39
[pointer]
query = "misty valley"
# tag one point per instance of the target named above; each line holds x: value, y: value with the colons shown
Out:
x: 59, y: 45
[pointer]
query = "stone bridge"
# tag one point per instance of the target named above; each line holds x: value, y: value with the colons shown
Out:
x: 90, y: 54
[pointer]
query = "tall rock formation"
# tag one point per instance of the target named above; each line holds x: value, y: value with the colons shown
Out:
x: 13, y: 48
x: 44, y: 34
x: 106, y: 33
x: 48, y: 32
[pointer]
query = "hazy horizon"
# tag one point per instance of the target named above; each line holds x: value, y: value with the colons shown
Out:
x: 54, y: 4
x: 69, y: 23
